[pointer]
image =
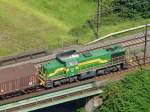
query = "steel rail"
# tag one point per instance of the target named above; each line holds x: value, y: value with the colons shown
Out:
x: 120, y: 42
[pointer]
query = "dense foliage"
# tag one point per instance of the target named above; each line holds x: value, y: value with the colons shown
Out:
x: 132, y: 94
x: 126, y: 8
x: 132, y: 8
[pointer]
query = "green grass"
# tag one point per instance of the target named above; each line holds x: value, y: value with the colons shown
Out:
x: 29, y: 24
x: 122, y: 25
x: 32, y: 24
x: 114, y: 25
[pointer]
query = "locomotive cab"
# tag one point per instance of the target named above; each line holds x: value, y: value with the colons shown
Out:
x: 70, y: 59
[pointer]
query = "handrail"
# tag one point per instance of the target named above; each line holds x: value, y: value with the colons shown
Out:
x: 116, y: 33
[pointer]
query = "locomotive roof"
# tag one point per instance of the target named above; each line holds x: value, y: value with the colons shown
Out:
x: 93, y: 53
x: 52, y: 64
x: 101, y: 52
x: 17, y: 72
x: 67, y: 56
x: 82, y: 57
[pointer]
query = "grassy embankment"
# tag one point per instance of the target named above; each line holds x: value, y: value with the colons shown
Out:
x: 30, y: 24
x: 27, y: 24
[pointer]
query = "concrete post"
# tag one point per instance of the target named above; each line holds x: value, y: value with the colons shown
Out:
x: 93, y: 103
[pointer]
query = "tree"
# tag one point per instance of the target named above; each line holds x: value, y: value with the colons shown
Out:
x: 129, y: 95
x: 132, y: 8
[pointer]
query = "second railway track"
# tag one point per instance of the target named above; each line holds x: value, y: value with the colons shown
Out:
x: 126, y: 43
x: 42, y: 56
x: 23, y: 57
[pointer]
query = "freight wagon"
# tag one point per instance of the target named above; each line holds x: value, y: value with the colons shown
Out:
x: 18, y: 78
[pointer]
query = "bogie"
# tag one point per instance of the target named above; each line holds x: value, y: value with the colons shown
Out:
x: 87, y: 75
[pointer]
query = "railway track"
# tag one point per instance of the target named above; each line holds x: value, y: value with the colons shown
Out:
x: 23, y: 57
x: 126, y: 43
x: 114, y: 76
x: 42, y: 56
x: 100, y: 81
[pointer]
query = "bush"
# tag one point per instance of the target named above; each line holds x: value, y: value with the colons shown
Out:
x: 132, y: 8
x: 129, y: 95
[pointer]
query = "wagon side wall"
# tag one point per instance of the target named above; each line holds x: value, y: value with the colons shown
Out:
x: 18, y: 84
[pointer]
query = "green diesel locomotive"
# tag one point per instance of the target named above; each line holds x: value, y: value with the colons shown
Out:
x: 71, y: 66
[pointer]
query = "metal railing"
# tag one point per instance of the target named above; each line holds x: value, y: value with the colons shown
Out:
x: 118, y: 33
